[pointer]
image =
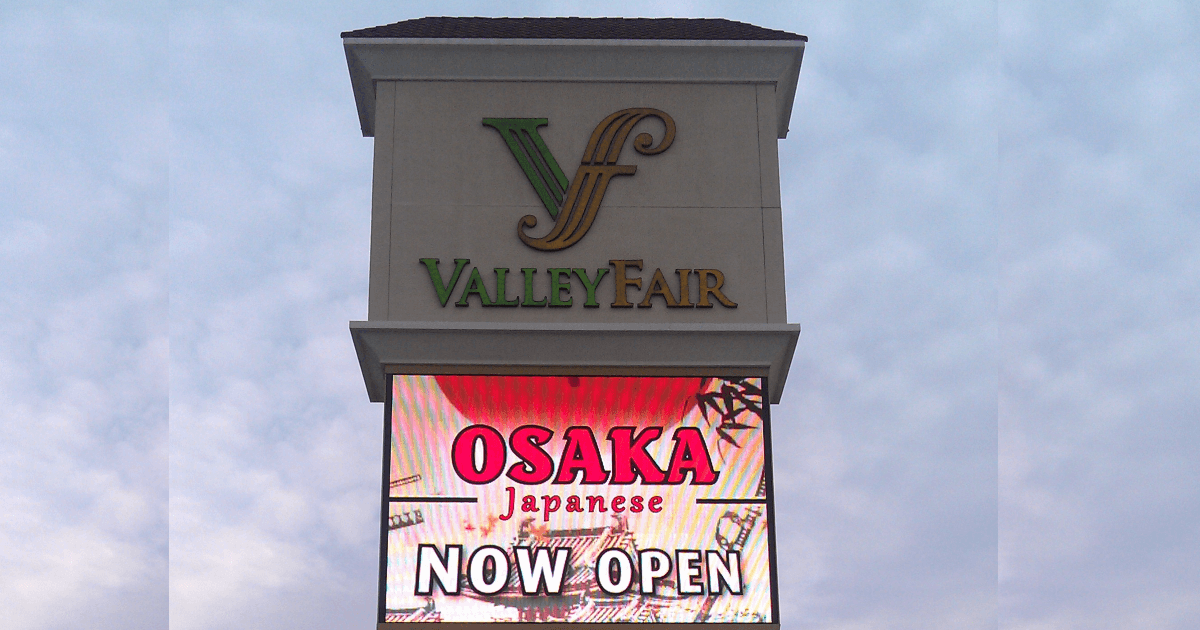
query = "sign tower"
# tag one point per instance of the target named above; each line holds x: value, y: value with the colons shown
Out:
x: 577, y: 358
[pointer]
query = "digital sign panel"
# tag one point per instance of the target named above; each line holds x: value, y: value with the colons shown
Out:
x: 578, y: 499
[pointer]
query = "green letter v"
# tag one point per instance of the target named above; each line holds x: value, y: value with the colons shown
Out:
x: 521, y: 136
x: 443, y: 291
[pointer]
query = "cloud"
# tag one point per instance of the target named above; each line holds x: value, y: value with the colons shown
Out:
x: 888, y: 495
x: 991, y: 245
x: 83, y: 351
x: 275, y: 448
x: 1098, y: 286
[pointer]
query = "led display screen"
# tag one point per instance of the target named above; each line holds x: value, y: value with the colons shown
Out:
x: 588, y: 499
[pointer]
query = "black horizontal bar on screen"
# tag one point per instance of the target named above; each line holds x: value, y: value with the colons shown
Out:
x: 729, y: 501
x: 433, y: 500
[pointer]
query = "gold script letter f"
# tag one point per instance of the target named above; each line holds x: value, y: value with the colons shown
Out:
x: 581, y: 201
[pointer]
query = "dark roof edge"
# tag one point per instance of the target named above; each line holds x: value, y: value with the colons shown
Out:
x: 598, y: 29
x: 358, y: 35
x: 358, y: 39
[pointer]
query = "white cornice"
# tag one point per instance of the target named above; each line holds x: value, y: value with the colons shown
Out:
x: 566, y: 349
x: 772, y: 62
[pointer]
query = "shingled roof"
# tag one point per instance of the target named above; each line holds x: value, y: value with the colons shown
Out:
x: 575, y: 28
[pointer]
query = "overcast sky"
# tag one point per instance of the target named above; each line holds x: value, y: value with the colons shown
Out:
x: 993, y: 247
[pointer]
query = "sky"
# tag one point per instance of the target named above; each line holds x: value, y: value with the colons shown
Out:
x: 992, y: 243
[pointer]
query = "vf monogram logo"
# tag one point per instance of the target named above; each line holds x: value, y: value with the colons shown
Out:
x: 580, y: 198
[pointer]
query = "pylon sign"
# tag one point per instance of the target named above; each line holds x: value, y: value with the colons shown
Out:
x: 576, y: 359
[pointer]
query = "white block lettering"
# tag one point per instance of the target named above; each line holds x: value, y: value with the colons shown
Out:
x: 653, y: 564
x: 478, y: 566
x: 727, y: 574
x: 612, y: 561
x: 433, y: 566
x: 540, y: 572
x: 687, y: 563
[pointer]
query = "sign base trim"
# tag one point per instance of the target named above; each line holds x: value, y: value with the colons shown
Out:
x: 616, y: 350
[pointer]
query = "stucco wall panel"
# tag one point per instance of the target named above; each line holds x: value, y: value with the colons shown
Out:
x: 443, y: 154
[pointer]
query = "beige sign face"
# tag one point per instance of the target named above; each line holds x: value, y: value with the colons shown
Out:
x: 575, y: 203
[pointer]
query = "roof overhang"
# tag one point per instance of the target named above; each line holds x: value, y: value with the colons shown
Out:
x: 373, y: 59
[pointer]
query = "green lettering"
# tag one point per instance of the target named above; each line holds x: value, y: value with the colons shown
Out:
x: 501, y: 292
x: 558, y: 285
x: 475, y: 286
x: 528, y: 271
x: 590, y: 285
x: 443, y: 291
x: 522, y: 137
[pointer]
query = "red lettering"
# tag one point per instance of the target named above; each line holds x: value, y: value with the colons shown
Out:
x: 535, y: 466
x: 581, y: 454
x: 630, y: 459
x: 690, y: 453
x: 512, y: 495
x: 550, y: 503
x: 553, y: 503
x: 479, y: 456
x: 462, y: 454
